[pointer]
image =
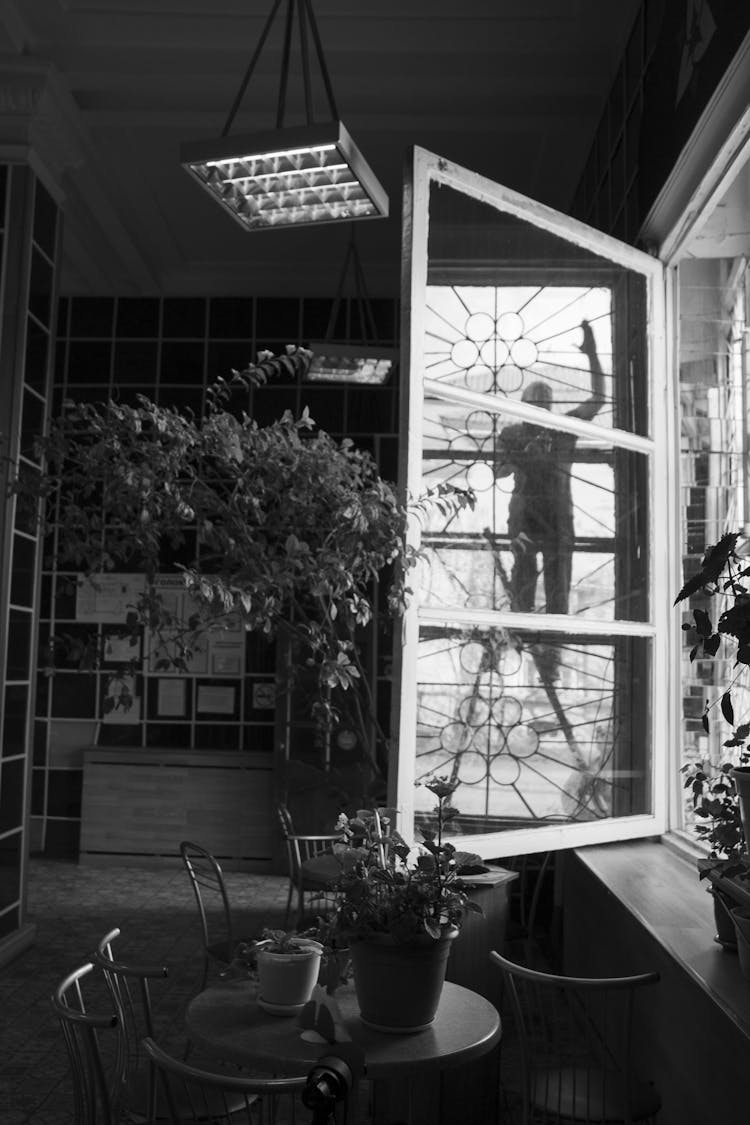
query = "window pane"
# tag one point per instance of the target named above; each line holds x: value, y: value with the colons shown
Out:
x: 535, y: 729
x: 532, y: 636
x: 558, y: 525
x: 714, y: 367
x: 504, y: 309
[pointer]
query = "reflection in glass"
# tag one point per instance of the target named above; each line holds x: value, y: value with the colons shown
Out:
x: 534, y: 728
x: 557, y: 527
x: 504, y: 307
x: 504, y: 340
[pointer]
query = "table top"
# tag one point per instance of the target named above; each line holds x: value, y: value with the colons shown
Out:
x: 226, y: 1020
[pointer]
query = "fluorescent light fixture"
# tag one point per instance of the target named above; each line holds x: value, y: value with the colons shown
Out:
x: 350, y: 363
x: 297, y: 176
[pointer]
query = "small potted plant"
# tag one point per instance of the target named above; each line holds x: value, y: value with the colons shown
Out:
x: 399, y: 914
x: 286, y: 965
x: 719, y: 825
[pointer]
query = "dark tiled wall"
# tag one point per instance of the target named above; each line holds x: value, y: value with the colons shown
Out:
x: 675, y: 57
x: 170, y: 349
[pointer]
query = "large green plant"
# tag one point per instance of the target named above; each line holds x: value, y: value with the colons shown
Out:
x: 723, y: 575
x: 293, y: 529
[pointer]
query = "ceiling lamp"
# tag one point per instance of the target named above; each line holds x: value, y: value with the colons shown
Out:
x: 356, y: 361
x: 291, y: 175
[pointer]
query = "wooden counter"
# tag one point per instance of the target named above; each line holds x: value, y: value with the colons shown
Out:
x: 138, y: 804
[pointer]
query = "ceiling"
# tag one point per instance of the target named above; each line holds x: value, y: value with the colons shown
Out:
x: 512, y: 89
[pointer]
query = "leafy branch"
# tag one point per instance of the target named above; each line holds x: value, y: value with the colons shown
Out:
x: 287, y: 532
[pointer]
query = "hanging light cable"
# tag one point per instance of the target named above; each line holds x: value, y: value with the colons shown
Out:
x: 290, y: 175
x: 362, y: 358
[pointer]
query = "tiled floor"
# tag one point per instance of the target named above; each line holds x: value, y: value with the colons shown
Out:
x: 73, y: 907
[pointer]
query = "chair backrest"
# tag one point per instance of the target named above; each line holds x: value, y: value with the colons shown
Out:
x: 129, y: 985
x: 293, y: 852
x: 196, y: 1095
x: 303, y: 847
x: 573, y: 1036
x: 96, y: 1046
x: 207, y: 881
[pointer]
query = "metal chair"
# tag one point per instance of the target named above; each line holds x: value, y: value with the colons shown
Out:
x: 196, y: 1095
x: 130, y: 989
x: 209, y: 888
x: 313, y: 869
x: 129, y: 986
x: 96, y: 1046
x: 574, y: 1048
x: 523, y: 935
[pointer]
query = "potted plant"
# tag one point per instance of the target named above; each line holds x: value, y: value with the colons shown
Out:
x: 721, y: 791
x: 281, y: 529
x: 398, y: 914
x: 286, y: 965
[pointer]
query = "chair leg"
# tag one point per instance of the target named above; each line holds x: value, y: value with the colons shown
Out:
x: 300, y: 906
x: 204, y: 979
x: 288, y: 904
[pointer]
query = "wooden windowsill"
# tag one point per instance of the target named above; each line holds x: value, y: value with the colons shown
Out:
x: 662, y: 891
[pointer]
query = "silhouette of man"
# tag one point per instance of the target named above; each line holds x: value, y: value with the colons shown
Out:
x: 540, y: 515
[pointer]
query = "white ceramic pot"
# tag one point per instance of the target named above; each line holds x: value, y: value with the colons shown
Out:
x: 286, y: 980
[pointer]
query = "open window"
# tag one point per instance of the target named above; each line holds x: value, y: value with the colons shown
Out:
x: 535, y: 641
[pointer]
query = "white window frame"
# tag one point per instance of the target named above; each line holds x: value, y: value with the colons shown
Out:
x: 427, y: 169
x: 730, y: 157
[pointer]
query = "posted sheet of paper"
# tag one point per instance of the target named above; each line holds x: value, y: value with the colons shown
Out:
x: 107, y: 597
x: 216, y: 699
x: 170, y: 698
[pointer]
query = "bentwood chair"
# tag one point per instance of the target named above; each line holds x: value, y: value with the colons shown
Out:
x: 96, y: 1045
x: 573, y: 1044
x: 209, y: 888
x: 195, y: 1095
x: 313, y: 868
x: 130, y: 987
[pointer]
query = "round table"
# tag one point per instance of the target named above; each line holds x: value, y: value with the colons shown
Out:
x: 226, y: 1021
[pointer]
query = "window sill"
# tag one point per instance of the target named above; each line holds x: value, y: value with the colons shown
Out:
x: 661, y: 889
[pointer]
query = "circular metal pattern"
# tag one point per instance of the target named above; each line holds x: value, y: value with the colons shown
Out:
x: 506, y: 711
x: 510, y: 326
x: 473, y: 657
x: 464, y: 354
x: 505, y: 770
x: 455, y: 737
x: 480, y: 427
x: 495, y: 353
x: 524, y: 353
x: 509, y: 379
x: 480, y: 476
x: 480, y: 378
x: 474, y: 710
x: 480, y: 326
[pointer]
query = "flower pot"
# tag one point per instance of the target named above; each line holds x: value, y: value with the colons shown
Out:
x: 726, y: 935
x: 399, y: 984
x: 742, y: 928
x: 740, y: 775
x: 286, y: 980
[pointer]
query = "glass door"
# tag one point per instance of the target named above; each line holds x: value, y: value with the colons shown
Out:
x: 534, y: 375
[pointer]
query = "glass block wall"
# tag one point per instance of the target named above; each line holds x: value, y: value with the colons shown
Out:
x: 170, y: 349
x: 29, y: 237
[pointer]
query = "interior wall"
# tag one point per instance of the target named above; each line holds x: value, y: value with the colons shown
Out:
x: 683, y: 1041
x: 674, y: 60
x: 170, y: 349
